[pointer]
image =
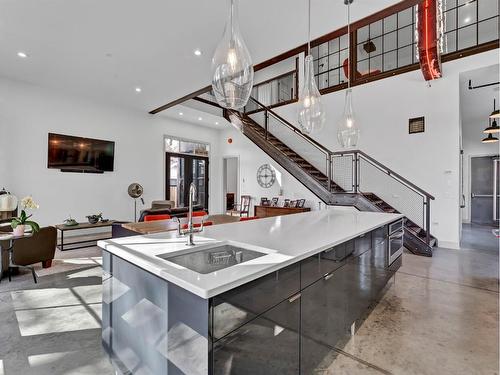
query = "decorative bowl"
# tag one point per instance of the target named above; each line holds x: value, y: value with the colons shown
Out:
x: 94, y: 219
x: 70, y: 222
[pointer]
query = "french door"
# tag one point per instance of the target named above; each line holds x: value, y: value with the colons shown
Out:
x: 181, y: 171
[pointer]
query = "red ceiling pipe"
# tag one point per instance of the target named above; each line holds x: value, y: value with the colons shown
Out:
x: 428, y: 40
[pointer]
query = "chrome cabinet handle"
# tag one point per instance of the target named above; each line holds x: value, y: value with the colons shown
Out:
x: 294, y: 298
x: 328, y: 276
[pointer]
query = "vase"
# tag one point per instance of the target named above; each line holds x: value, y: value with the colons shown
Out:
x: 19, y: 230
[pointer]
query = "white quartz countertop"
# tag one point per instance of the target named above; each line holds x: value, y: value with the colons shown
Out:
x: 285, y: 240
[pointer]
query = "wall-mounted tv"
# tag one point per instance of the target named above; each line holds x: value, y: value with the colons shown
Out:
x: 78, y: 154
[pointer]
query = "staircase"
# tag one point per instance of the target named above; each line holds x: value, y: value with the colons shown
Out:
x: 349, y: 178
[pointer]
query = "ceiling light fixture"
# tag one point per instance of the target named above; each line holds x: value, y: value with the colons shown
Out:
x: 200, y: 118
x: 492, y: 129
x: 232, y: 69
x: 490, y: 139
x: 348, y: 131
x: 467, y: 20
x: 22, y: 55
x: 181, y: 114
x: 197, y: 52
x: 216, y: 122
x: 311, y: 114
x: 496, y: 112
x: 138, y: 89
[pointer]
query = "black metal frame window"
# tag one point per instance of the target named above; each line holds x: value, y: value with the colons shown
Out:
x: 386, y: 44
x: 469, y: 23
x: 328, y: 60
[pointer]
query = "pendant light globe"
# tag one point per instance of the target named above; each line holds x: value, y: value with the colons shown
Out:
x: 232, y: 69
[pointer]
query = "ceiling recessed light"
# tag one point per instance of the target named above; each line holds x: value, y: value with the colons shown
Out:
x: 216, y: 122
x: 197, y: 52
x: 200, y: 118
x: 467, y: 20
x: 22, y: 55
x: 138, y: 89
x: 180, y: 113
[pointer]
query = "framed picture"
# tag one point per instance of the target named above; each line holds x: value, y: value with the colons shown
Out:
x: 300, y: 203
x: 287, y: 203
x: 274, y: 201
x: 264, y: 202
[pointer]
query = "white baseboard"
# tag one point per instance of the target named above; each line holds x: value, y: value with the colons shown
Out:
x: 449, y: 244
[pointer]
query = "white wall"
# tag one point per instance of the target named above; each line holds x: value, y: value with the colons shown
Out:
x: 28, y: 113
x: 251, y: 158
x: 430, y: 159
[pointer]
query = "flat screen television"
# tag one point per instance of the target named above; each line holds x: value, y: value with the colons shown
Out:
x: 78, y: 154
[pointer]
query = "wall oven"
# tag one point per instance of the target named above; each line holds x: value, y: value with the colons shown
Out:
x: 396, y: 235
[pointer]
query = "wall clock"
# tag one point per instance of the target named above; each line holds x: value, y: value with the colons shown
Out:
x: 266, y: 176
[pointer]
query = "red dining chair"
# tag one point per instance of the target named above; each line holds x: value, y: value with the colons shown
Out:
x: 199, y: 213
x: 156, y: 217
x: 205, y: 224
x: 248, y: 218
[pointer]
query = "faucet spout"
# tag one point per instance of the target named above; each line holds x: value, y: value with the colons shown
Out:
x: 190, y: 230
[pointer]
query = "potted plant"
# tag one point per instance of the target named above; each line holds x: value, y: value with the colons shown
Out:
x: 19, y: 223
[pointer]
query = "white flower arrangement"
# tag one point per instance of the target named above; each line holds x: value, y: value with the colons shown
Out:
x: 29, y: 203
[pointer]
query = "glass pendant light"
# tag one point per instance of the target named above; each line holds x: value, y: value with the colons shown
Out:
x: 232, y: 68
x: 490, y: 139
x: 311, y: 114
x: 348, y: 131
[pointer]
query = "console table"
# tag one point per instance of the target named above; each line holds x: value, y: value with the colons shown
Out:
x: 86, y: 240
x: 268, y: 211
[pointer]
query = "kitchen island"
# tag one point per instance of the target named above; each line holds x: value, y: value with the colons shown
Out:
x: 269, y: 296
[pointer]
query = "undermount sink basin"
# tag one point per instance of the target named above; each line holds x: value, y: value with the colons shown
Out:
x: 213, y: 258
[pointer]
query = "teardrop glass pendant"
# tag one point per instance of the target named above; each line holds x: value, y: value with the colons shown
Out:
x: 311, y: 113
x: 232, y: 69
x: 348, y: 131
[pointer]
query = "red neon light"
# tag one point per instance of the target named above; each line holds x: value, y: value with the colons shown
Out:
x: 430, y: 59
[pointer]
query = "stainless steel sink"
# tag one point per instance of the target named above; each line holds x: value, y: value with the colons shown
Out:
x: 213, y: 259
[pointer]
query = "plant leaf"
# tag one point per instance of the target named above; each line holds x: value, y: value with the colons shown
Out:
x: 34, y: 226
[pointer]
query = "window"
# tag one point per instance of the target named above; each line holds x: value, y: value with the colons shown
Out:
x: 278, y: 90
x: 186, y: 147
x: 386, y: 44
x: 469, y: 23
x: 186, y: 163
x: 329, y: 59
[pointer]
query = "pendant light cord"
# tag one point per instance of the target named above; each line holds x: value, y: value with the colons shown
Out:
x: 309, y: 29
x: 349, y: 43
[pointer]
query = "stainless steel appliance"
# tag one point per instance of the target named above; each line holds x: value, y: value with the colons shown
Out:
x: 396, y: 235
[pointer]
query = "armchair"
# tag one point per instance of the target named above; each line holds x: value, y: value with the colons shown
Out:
x: 40, y: 247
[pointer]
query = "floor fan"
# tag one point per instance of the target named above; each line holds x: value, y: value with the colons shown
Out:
x: 135, y: 191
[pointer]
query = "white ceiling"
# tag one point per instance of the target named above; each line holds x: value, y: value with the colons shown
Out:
x: 103, y: 49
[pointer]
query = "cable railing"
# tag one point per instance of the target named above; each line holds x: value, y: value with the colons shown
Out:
x: 276, y: 127
x: 358, y: 172
x: 350, y: 171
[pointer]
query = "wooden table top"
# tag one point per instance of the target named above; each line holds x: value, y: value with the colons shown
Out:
x: 150, y: 227
x: 87, y: 225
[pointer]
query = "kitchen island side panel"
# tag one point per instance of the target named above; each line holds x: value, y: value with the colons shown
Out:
x: 151, y: 326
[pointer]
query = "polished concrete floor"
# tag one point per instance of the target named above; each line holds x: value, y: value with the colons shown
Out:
x: 439, y: 316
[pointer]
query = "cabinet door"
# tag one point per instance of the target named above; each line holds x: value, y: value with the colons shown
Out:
x: 240, y: 305
x: 315, y: 267
x: 323, y: 310
x: 268, y: 344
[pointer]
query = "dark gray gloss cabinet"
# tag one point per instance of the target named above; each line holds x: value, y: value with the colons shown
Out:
x: 288, y: 322
x: 268, y: 344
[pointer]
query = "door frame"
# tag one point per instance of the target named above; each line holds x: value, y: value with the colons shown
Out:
x: 469, y: 180
x: 209, y: 185
x: 238, y: 184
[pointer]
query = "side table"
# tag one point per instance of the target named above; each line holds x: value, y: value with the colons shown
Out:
x: 11, y: 239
